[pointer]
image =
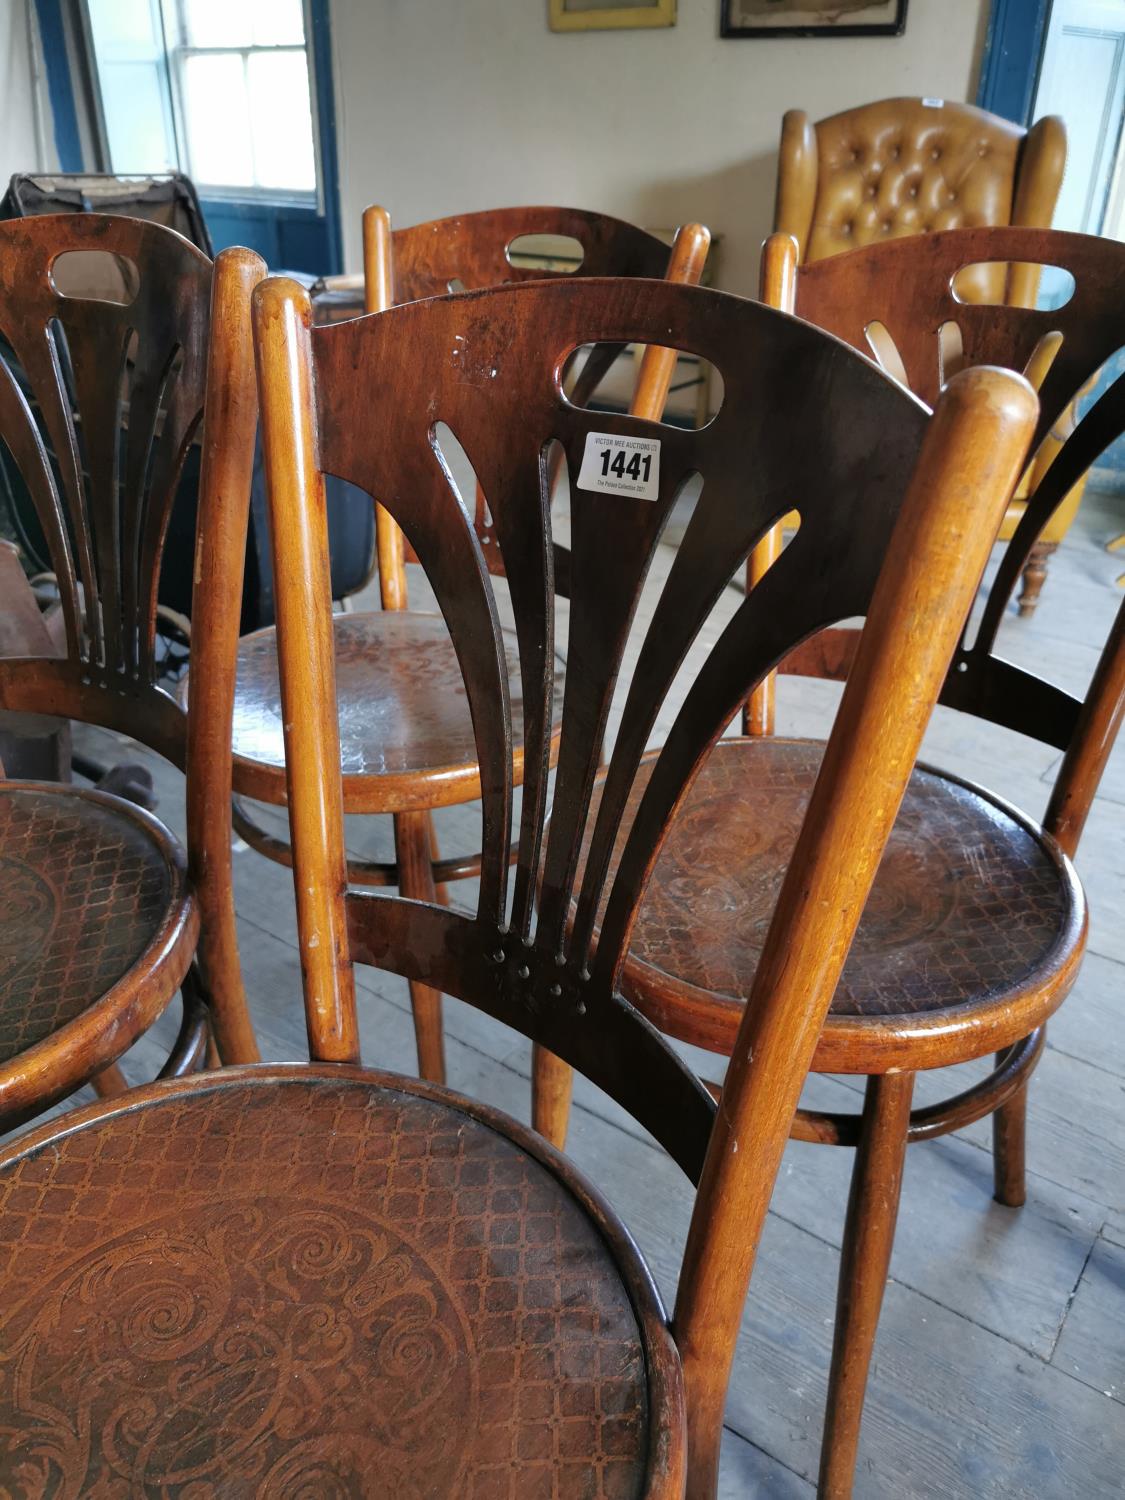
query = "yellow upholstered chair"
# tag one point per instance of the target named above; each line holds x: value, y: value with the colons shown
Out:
x: 911, y: 166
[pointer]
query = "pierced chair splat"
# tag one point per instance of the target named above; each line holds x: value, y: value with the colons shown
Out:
x: 102, y: 911
x: 406, y: 731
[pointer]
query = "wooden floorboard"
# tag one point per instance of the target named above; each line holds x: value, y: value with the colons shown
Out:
x: 1091, y: 1346
x: 1003, y: 1329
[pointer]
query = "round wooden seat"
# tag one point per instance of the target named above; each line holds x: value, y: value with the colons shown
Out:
x: 320, y: 1281
x: 973, y: 925
x: 97, y: 929
x: 406, y: 736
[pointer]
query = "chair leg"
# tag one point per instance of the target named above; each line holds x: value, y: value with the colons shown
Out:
x: 232, y: 1031
x: 869, y: 1233
x: 1034, y: 576
x: 1009, y: 1148
x: 109, y: 1082
x: 413, y: 843
x: 552, y: 1082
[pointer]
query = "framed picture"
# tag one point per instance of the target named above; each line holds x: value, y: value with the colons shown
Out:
x: 609, y: 15
x: 813, y: 18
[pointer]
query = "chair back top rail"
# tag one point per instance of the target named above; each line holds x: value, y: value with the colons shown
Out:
x: 473, y: 251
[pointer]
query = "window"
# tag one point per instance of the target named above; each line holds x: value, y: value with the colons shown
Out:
x: 218, y: 88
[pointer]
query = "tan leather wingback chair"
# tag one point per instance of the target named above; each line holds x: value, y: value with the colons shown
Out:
x: 910, y: 166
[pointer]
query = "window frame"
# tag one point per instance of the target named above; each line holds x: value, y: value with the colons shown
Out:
x: 177, y: 52
x: 1013, y: 48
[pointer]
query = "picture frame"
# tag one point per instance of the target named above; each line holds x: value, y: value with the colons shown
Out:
x: 812, y: 18
x: 609, y: 15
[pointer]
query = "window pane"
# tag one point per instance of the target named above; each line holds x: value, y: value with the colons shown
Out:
x: 218, y: 23
x: 279, y: 106
x: 133, y: 84
x: 279, y: 23
x: 133, y: 107
x: 122, y: 25
x: 218, y: 121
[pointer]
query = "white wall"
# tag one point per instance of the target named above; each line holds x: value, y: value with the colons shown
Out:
x: 20, y: 146
x: 450, y: 105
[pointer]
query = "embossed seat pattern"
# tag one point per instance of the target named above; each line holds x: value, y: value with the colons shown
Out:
x: 399, y: 688
x: 296, y: 1285
x: 966, y: 904
x: 82, y: 892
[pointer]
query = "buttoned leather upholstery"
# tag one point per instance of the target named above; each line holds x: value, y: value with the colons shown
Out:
x: 909, y: 166
x: 912, y: 166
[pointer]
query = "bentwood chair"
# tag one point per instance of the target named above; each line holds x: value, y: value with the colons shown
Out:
x: 407, y: 740
x: 101, y: 912
x: 315, y: 1278
x: 977, y: 922
x: 920, y: 166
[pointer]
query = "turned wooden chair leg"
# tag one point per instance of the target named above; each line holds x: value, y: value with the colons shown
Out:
x: 869, y: 1233
x: 413, y: 844
x: 1034, y: 576
x: 110, y: 1082
x: 552, y: 1082
x: 1009, y: 1148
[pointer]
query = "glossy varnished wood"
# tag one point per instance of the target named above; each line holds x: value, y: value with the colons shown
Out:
x: 900, y: 297
x: 442, y: 1307
x: 865, y: 1261
x: 406, y: 735
x: 97, y: 408
x: 471, y: 251
x: 378, y: 1156
x: 500, y: 395
x: 97, y: 929
x: 970, y: 937
x: 226, y: 471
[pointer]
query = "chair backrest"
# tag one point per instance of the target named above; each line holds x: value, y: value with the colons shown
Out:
x: 905, y: 289
x: 468, y: 252
x: 99, y: 403
x: 912, y: 166
x: 804, y: 421
x: 472, y: 251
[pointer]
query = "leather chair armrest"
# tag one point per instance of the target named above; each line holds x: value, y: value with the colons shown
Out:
x: 796, y: 179
x: 1039, y: 175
